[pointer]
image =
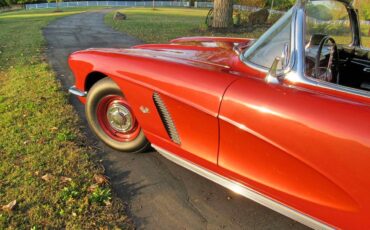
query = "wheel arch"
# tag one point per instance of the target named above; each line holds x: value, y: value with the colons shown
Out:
x: 93, y: 78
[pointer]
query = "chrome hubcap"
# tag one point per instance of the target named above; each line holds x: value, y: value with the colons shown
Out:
x: 119, y: 117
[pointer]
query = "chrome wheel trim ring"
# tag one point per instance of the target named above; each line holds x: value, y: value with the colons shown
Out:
x: 119, y: 117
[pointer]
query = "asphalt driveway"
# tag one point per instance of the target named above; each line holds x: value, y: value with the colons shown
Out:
x: 160, y: 194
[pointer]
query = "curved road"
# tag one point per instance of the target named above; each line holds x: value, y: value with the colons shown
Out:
x: 160, y: 194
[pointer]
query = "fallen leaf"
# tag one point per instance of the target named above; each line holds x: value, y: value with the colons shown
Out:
x: 41, y: 141
x: 64, y: 179
x: 86, y: 200
x: 26, y: 142
x: 101, y: 179
x: 47, y: 177
x: 10, y: 206
x: 92, y: 187
x: 107, y: 203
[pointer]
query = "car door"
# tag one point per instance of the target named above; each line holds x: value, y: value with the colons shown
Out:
x: 307, y: 149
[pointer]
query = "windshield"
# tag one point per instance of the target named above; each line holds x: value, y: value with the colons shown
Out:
x: 271, y: 44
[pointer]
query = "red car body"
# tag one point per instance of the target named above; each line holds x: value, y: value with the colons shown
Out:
x: 299, y: 149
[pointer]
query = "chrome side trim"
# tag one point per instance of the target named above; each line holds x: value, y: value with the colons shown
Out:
x: 73, y: 90
x: 244, y: 191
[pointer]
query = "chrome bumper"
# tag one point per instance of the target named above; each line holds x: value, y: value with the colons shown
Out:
x: 73, y: 90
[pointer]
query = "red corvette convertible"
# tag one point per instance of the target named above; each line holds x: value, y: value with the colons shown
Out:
x: 283, y: 120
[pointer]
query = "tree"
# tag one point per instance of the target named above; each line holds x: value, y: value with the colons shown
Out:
x: 56, y: 2
x: 223, y: 14
x: 191, y: 3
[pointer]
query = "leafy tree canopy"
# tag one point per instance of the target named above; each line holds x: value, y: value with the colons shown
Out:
x: 320, y: 12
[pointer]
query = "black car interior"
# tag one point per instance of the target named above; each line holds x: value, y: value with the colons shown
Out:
x: 340, y: 64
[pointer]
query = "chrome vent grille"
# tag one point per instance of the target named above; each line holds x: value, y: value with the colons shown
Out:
x: 166, y: 118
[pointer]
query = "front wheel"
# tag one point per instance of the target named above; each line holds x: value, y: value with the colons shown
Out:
x: 111, y: 118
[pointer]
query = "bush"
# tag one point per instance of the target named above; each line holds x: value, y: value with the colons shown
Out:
x: 273, y: 18
x: 3, y: 3
x: 328, y: 28
x: 338, y: 29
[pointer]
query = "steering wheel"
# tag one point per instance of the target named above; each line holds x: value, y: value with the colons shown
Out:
x: 331, y: 73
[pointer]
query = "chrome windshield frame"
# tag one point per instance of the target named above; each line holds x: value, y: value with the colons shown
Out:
x: 297, y: 73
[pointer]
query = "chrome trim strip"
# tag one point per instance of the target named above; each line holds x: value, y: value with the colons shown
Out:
x: 244, y: 191
x: 73, y: 90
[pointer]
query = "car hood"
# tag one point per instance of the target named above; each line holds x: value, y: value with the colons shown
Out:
x: 199, y: 51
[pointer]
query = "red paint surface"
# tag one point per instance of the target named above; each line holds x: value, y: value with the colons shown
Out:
x: 305, y: 147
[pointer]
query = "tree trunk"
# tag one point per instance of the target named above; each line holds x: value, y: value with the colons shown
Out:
x: 223, y: 14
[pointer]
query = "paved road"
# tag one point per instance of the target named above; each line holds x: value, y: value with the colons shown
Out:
x: 160, y: 194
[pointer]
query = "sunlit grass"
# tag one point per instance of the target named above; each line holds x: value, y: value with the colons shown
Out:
x: 39, y: 135
x: 345, y: 40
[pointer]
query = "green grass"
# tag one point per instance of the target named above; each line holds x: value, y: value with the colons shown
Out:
x: 39, y: 134
x: 163, y: 24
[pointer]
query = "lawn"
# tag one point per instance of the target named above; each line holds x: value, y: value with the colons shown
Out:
x: 163, y: 24
x: 45, y: 165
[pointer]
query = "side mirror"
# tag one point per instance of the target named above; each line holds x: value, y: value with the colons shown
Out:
x: 272, y: 76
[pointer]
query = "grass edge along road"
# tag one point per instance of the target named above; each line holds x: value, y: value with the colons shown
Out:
x: 45, y: 165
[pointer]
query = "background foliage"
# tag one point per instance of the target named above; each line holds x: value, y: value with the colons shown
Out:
x: 364, y: 8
